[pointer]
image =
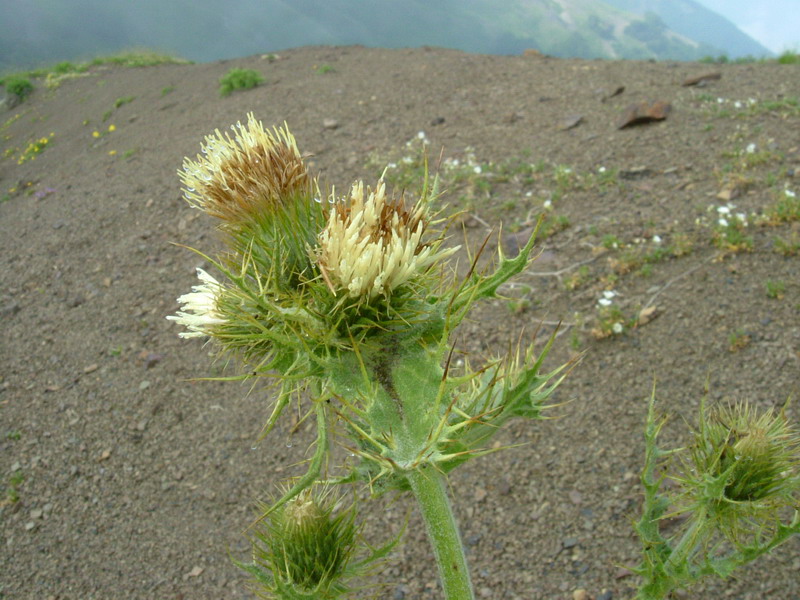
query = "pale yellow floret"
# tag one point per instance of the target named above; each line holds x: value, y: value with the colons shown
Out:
x: 371, y: 246
x: 199, y: 311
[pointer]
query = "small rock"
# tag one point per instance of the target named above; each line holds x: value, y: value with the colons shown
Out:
x: 646, y: 315
x: 570, y: 122
x: 36, y: 513
x: 702, y: 80
x: 330, y: 123
x: 473, y: 539
x: 644, y: 112
x: 30, y: 526
x: 606, y: 595
x: 195, y: 572
x: 76, y: 301
x: 437, y: 121
x: 569, y: 542
x: 9, y: 310
x: 106, y: 454
x: 617, y: 91
x: 15, y: 467
x: 575, y: 497
x: 581, y: 594
x: 480, y: 494
x: 728, y: 194
x: 485, y: 592
x: 90, y: 369
x: 144, y: 385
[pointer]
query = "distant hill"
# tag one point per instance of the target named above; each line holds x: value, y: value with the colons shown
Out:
x: 695, y: 21
x: 51, y: 30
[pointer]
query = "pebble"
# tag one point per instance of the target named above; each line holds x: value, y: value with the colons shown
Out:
x: 144, y: 385
x: 580, y: 594
x: 36, y: 513
x: 330, y: 123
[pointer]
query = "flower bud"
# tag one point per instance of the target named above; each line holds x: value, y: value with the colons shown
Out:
x: 307, y: 543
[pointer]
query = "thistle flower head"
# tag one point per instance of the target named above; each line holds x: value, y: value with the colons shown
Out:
x: 756, y: 452
x: 743, y: 468
x: 199, y: 312
x: 372, y: 245
x: 241, y: 177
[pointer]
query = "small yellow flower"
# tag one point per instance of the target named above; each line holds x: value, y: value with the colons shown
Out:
x: 112, y: 152
x: 95, y: 134
x: 112, y: 127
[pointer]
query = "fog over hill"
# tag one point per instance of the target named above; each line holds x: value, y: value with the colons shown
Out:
x: 52, y: 30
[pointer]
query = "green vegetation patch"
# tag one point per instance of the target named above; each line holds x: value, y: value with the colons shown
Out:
x: 239, y: 79
x: 18, y: 86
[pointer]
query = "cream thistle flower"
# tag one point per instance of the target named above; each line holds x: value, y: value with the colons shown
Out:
x: 242, y: 177
x: 199, y: 313
x: 371, y: 245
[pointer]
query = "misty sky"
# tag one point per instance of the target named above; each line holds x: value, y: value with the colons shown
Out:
x: 774, y: 23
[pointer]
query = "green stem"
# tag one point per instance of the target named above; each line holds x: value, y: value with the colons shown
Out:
x: 428, y: 486
x: 680, y: 557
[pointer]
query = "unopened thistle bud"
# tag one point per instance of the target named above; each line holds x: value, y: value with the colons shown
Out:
x: 239, y: 179
x: 372, y: 245
x: 307, y: 544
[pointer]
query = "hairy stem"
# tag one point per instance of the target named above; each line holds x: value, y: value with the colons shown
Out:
x: 429, y: 489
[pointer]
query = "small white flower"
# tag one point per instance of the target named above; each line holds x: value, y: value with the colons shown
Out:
x: 609, y: 294
x: 789, y: 193
x: 421, y: 135
x: 720, y: 100
x: 724, y: 210
x: 604, y: 302
x: 548, y: 204
x: 199, y: 311
x: 656, y: 239
x: 477, y: 169
x: 751, y: 148
x: 741, y: 217
x: 617, y: 328
x: 737, y: 104
x: 723, y: 222
x: 601, y: 170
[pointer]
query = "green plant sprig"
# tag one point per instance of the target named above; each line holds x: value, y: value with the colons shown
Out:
x: 737, y: 480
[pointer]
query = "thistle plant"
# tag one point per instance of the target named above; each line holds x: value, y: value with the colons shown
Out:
x: 348, y: 304
x: 738, y: 489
